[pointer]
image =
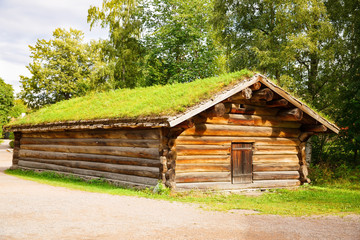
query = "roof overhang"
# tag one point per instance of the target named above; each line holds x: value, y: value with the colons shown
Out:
x: 173, y: 121
x: 92, y: 124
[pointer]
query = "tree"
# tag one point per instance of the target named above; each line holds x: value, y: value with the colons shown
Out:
x: 6, y: 103
x: 179, y: 41
x: 123, y: 49
x: 289, y: 40
x: 345, y: 107
x: 61, y: 68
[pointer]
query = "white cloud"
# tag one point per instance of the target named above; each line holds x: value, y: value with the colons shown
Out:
x: 22, y: 22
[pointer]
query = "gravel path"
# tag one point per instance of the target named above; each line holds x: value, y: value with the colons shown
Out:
x: 30, y: 210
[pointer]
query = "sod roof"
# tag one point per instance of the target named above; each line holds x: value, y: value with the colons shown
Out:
x: 138, y: 103
x: 153, y: 106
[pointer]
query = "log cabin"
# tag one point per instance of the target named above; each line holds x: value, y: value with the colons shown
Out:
x: 248, y: 133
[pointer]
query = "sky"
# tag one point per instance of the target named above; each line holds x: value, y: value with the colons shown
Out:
x: 23, y: 22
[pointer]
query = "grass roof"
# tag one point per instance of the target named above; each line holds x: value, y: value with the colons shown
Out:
x: 154, y: 101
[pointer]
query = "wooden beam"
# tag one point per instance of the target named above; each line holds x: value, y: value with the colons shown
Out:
x: 304, y: 136
x: 275, y: 166
x: 142, y: 171
x: 244, y: 94
x: 294, y: 114
x: 202, y: 177
x: 255, y: 86
x: 151, y: 153
x: 147, y: 143
x: 101, y: 134
x: 298, y: 104
x: 182, y: 168
x: 253, y: 120
x: 89, y: 157
x: 276, y: 175
x: 216, y: 111
x: 263, y: 94
x: 277, y: 103
x: 234, y: 130
x: 219, y: 140
x: 314, y: 128
x: 86, y: 172
x: 203, y: 159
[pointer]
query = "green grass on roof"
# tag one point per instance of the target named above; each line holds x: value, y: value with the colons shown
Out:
x: 134, y: 103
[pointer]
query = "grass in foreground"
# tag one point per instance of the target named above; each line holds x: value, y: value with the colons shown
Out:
x: 305, y: 201
x: 133, y: 103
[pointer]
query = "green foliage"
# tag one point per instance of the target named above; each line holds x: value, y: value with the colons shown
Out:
x: 330, y: 173
x: 178, y: 41
x: 134, y: 103
x: 62, y: 68
x: 6, y: 103
x: 123, y: 49
x: 311, y: 200
x: 12, y: 144
x: 18, y: 108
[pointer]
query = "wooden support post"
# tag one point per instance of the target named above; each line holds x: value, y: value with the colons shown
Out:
x: 303, y: 165
x: 294, y: 114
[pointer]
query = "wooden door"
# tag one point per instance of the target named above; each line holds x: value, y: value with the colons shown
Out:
x: 241, y: 161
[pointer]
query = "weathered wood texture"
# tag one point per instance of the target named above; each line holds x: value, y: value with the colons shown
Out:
x: 204, y: 150
x: 123, y: 155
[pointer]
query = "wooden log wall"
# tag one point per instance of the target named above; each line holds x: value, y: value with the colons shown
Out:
x: 129, y: 156
x: 273, y: 126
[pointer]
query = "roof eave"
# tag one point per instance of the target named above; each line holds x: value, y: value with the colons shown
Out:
x: 297, y: 103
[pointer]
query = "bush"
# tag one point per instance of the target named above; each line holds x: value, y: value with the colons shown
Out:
x: 12, y: 144
x: 329, y: 174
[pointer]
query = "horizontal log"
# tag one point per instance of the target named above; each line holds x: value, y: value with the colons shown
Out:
x: 203, y: 177
x: 241, y: 131
x: 182, y: 168
x: 314, y: 128
x: 276, y: 175
x: 277, y: 103
x: 263, y: 94
x: 89, y: 157
x: 229, y: 186
x: 252, y: 110
x: 252, y: 120
x: 244, y: 94
x: 184, y: 150
x: 146, y: 143
x: 216, y: 111
x: 219, y: 140
x: 186, y: 124
x: 294, y: 114
x: 276, y: 166
x: 102, y: 134
x: 85, y: 172
x: 203, y: 159
x: 141, y: 171
x: 152, y: 153
x: 304, y: 136
x: 279, y: 150
x: 275, y: 158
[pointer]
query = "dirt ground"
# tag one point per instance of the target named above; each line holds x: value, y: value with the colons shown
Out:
x: 30, y: 210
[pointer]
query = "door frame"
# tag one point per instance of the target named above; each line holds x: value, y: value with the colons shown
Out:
x: 251, y: 159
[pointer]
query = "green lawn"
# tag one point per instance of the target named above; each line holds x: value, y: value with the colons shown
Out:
x: 304, y: 201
